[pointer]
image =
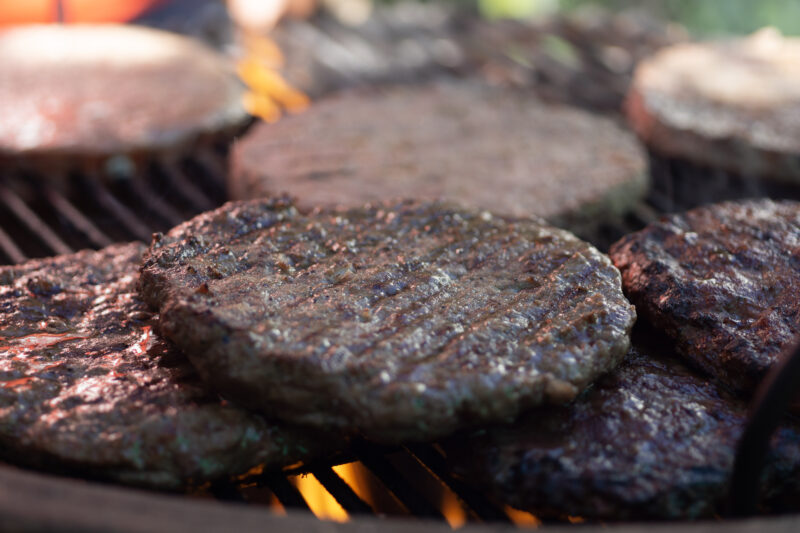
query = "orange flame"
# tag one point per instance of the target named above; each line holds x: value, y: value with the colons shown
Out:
x: 322, y: 504
x: 452, y: 509
x: 522, y: 518
x: 354, y: 474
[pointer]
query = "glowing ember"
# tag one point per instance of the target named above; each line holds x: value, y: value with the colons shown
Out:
x: 521, y: 518
x: 452, y: 509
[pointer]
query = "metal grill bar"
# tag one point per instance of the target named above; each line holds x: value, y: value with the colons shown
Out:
x: 474, y: 500
x: 341, y: 491
x: 211, y: 170
x: 32, y: 221
x: 76, y: 218
x: 154, y: 202
x: 227, y: 491
x: 116, y: 209
x: 395, y: 481
x: 286, y: 493
x: 186, y: 188
x: 10, y: 248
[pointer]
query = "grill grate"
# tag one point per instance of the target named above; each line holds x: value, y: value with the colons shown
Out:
x: 41, y: 216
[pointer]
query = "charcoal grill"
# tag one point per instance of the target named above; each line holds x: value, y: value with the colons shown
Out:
x: 41, y: 216
x: 411, y: 487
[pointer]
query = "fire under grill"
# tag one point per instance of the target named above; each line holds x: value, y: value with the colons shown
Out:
x: 41, y: 216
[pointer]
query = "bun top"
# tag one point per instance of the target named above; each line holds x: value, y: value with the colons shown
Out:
x: 108, y: 89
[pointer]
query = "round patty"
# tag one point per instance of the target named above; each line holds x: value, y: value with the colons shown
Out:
x: 400, y: 320
x: 722, y: 281
x: 505, y: 151
x: 650, y: 440
x: 102, y: 90
x: 733, y: 105
x: 87, y: 387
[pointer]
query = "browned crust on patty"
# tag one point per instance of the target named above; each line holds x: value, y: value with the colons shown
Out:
x: 650, y: 440
x: 401, y: 320
x: 722, y: 281
x: 86, y: 387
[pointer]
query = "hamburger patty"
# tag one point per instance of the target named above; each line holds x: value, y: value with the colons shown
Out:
x: 86, y: 386
x: 74, y: 92
x: 401, y: 320
x: 652, y: 439
x: 505, y: 151
x: 722, y: 281
x: 732, y: 105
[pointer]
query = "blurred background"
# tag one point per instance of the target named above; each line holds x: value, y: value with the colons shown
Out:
x: 578, y: 52
x: 700, y: 17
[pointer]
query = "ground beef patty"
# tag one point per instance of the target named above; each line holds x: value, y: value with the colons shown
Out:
x: 85, y: 386
x: 650, y: 440
x: 73, y: 95
x: 492, y: 149
x: 722, y: 281
x: 400, y: 320
x: 731, y: 105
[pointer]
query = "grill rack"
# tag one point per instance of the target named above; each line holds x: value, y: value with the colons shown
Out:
x: 41, y: 216
x: 38, y: 217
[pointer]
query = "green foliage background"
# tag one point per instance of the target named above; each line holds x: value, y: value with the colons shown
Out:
x: 701, y: 17
x: 716, y: 17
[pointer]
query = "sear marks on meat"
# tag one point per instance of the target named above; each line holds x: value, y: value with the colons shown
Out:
x: 652, y: 439
x: 401, y: 320
x: 504, y: 151
x: 722, y: 281
x: 86, y: 386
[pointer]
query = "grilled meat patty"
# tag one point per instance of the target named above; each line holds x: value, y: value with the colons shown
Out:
x: 85, y: 385
x: 401, y: 320
x: 722, y: 281
x: 652, y: 439
x: 505, y: 151
x: 732, y: 105
x: 75, y: 94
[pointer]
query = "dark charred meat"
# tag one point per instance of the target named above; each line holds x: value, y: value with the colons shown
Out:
x: 722, y: 281
x: 505, y: 151
x: 399, y: 320
x: 86, y: 386
x: 652, y: 439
